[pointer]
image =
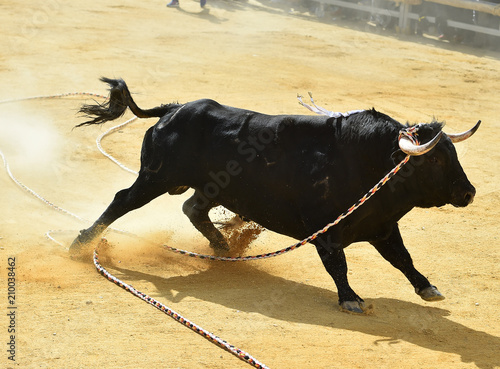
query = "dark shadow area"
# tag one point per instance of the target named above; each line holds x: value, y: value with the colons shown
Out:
x: 345, y: 18
x: 243, y: 287
x: 227, y: 5
x: 204, y: 13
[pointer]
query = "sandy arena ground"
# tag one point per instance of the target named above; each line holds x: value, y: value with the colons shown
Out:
x: 284, y: 311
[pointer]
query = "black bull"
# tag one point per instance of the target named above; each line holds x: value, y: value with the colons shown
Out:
x: 292, y: 174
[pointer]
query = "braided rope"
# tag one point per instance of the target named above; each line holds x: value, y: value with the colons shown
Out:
x: 410, y: 132
x: 312, y: 237
x: 178, y: 317
x: 242, y: 355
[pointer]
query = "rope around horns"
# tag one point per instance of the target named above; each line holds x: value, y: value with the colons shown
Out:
x: 160, y: 306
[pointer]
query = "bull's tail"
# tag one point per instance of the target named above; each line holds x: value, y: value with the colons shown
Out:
x: 118, y: 101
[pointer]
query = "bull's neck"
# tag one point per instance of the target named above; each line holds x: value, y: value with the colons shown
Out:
x: 395, y: 196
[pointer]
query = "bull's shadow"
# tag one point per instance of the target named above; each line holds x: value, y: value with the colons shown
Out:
x: 278, y: 298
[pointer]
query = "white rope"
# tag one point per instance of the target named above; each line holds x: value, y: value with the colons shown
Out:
x: 36, y: 195
x: 322, y: 111
x: 208, y: 335
x: 109, y: 156
x: 56, y: 96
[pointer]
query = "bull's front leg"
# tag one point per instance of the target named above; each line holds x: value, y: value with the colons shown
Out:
x: 86, y: 238
x: 394, y: 251
x: 333, y: 259
x: 80, y: 247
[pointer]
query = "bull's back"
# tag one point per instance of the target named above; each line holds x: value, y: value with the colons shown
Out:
x: 206, y: 135
x: 247, y: 161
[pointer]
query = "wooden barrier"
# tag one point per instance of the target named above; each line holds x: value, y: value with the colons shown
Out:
x: 404, y: 14
x: 480, y: 6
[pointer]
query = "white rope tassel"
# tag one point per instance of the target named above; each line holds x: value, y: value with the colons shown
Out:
x: 322, y: 111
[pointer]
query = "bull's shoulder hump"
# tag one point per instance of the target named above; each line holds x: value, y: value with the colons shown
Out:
x: 202, y: 104
x: 208, y: 105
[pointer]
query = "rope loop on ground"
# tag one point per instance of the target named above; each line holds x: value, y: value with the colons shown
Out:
x: 411, y: 132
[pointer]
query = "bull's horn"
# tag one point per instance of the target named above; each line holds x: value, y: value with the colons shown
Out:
x: 459, y: 137
x: 408, y: 147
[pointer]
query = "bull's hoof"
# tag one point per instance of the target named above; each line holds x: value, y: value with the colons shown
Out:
x: 353, y: 307
x: 75, y: 246
x: 220, y: 248
x: 430, y: 293
x: 79, y: 251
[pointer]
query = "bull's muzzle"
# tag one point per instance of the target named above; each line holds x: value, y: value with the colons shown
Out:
x: 464, y: 196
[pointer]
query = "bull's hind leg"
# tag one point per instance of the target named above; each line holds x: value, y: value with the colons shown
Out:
x: 139, y: 194
x: 335, y: 263
x: 196, y: 208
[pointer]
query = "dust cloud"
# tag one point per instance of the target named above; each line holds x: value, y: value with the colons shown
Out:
x: 28, y: 138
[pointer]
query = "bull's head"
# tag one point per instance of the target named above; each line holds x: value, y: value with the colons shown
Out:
x: 439, y: 175
x: 439, y: 178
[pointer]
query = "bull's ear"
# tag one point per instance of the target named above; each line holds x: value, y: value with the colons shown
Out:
x: 397, y: 156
